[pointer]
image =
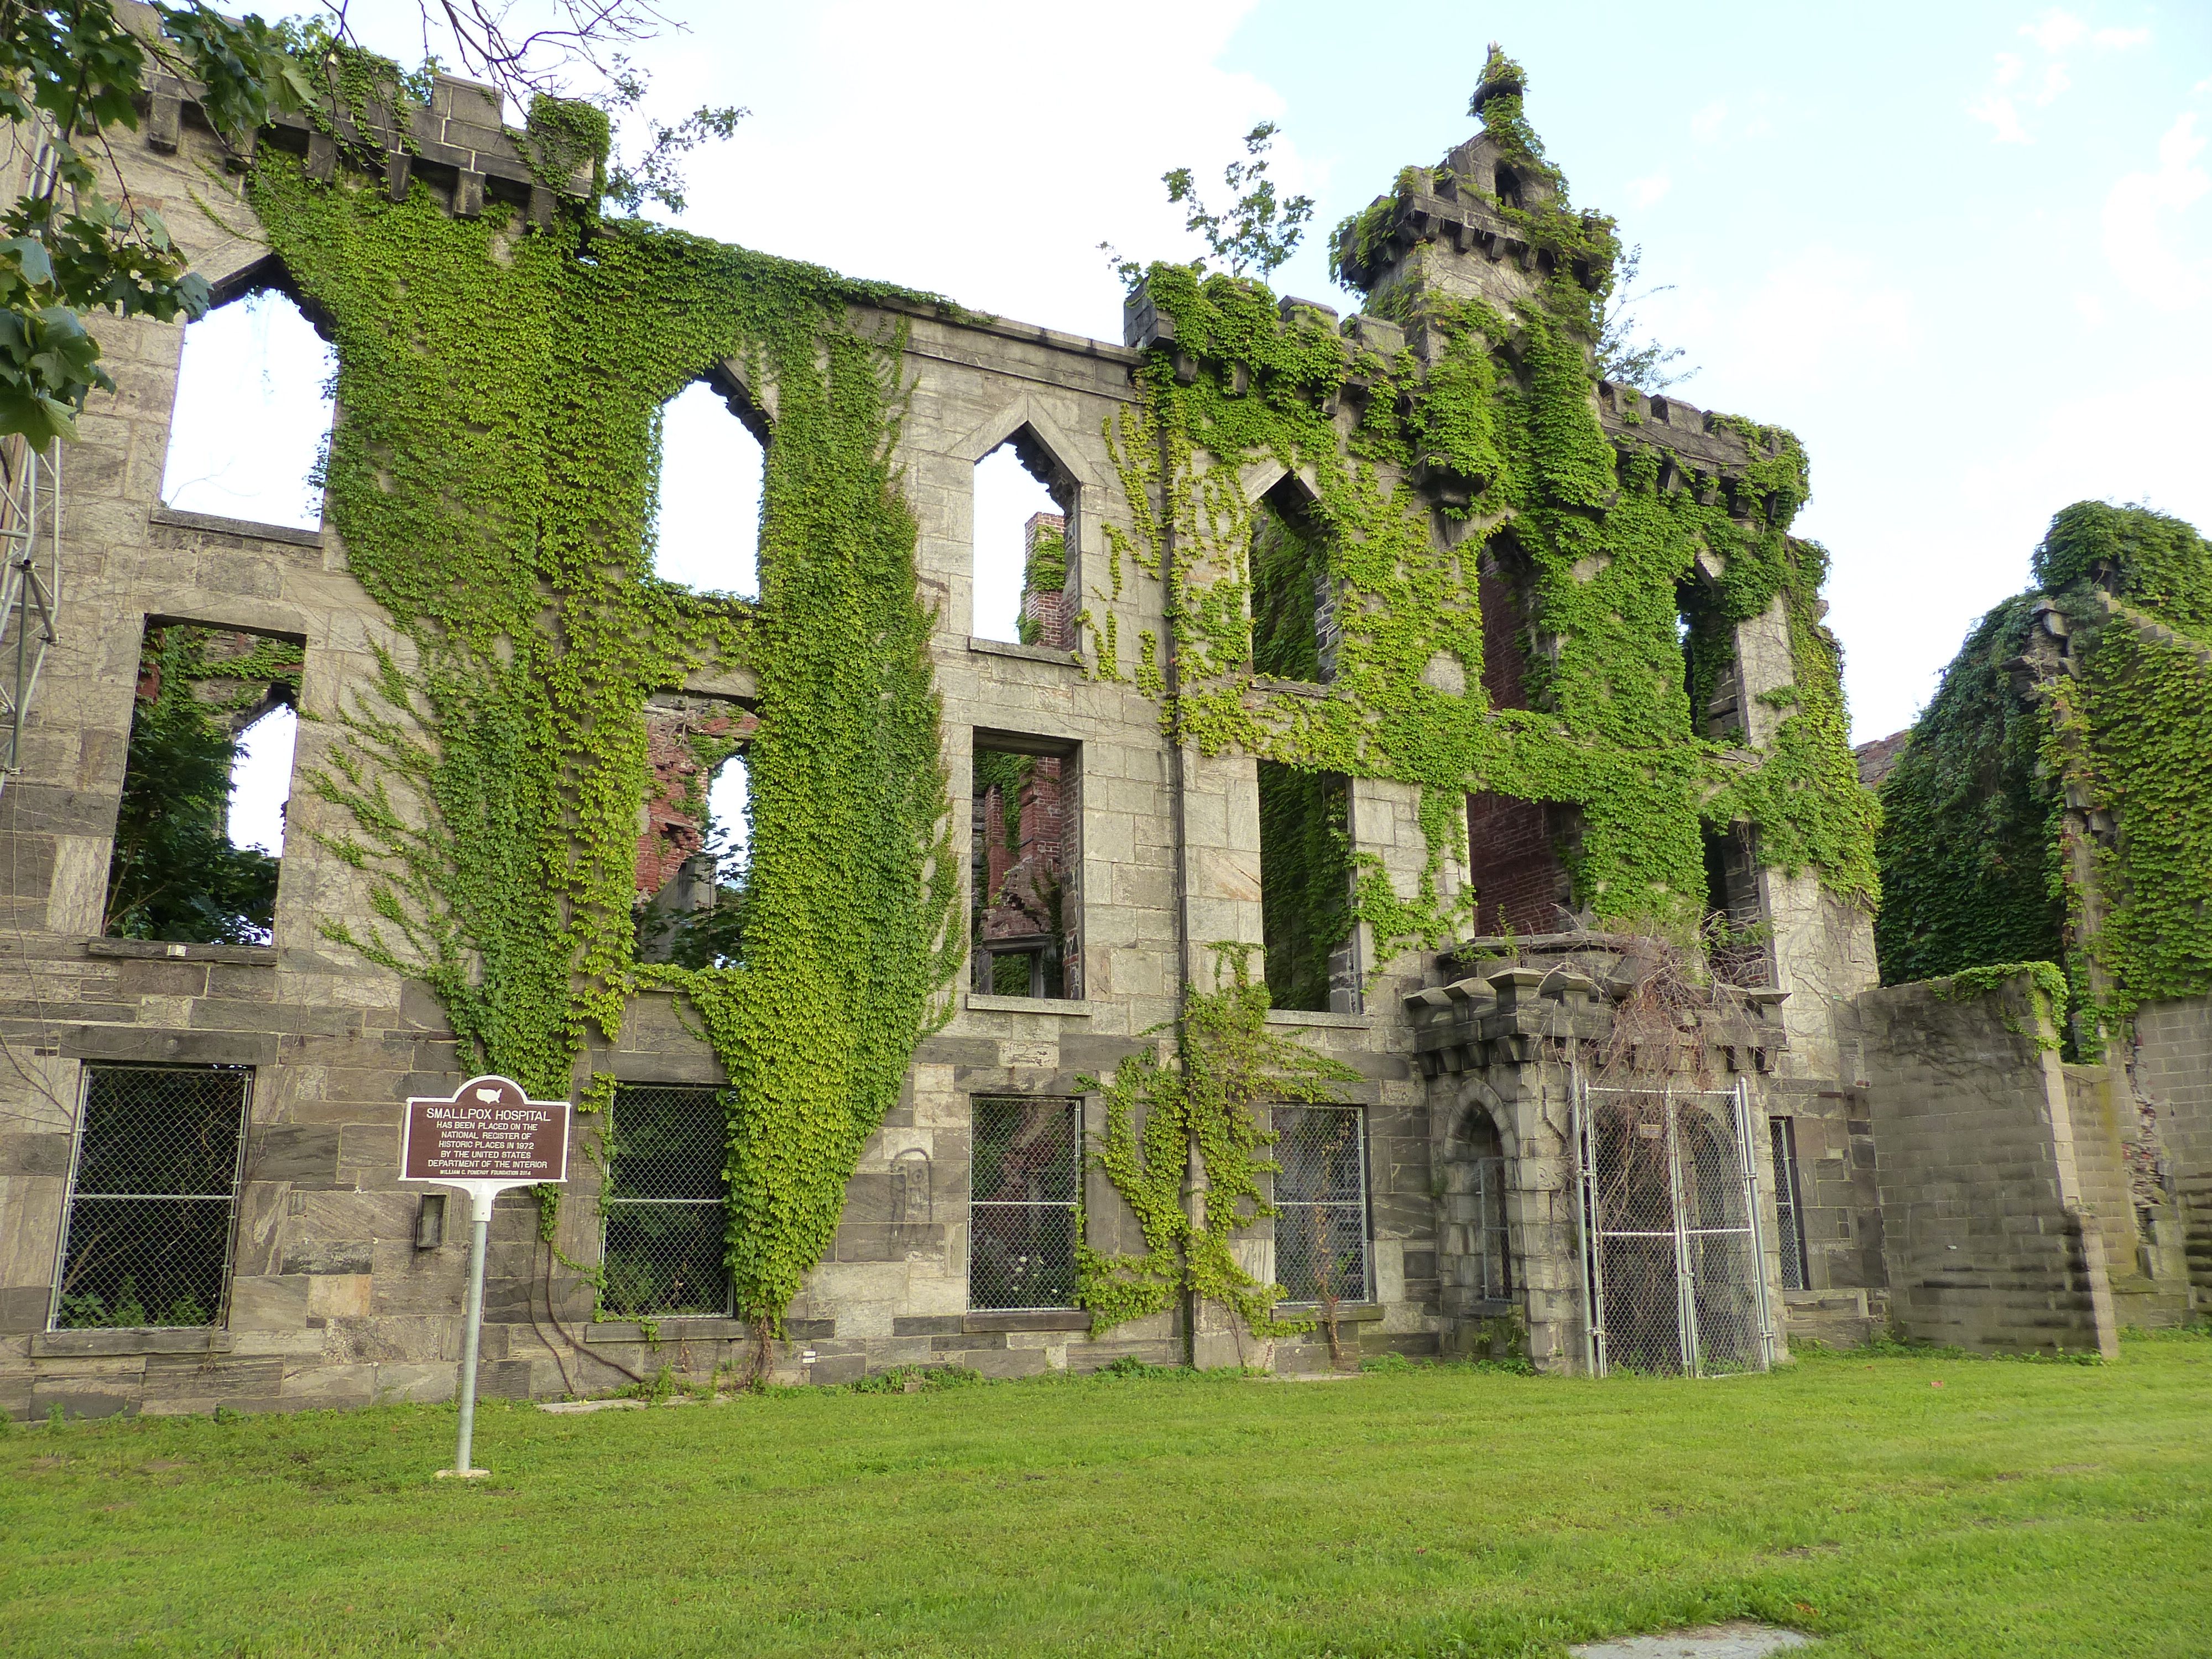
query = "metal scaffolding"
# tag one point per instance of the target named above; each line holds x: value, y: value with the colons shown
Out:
x: 30, y: 591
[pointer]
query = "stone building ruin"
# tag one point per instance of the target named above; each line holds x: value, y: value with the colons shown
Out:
x: 1559, y: 1132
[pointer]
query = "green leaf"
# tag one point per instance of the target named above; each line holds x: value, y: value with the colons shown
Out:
x: 38, y: 266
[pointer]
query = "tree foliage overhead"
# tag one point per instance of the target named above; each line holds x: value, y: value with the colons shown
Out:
x: 73, y: 71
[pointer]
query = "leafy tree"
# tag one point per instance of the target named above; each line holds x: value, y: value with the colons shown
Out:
x: 1620, y: 358
x: 71, y: 70
x: 1258, y: 231
x: 174, y: 874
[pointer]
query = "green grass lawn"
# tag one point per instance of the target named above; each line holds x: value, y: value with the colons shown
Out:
x: 1899, y: 1506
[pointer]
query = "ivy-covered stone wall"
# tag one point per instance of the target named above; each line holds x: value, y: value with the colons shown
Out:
x: 2054, y: 801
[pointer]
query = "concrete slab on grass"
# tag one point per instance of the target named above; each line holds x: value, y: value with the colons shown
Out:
x: 1738, y: 1639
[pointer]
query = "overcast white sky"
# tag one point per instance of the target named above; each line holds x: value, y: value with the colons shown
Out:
x: 1965, y: 251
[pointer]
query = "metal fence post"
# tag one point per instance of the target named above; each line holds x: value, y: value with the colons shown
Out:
x: 472, y: 1316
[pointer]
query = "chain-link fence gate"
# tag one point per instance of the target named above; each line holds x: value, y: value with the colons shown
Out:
x: 1673, y: 1272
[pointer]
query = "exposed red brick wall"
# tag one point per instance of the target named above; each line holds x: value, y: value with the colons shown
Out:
x: 1519, y: 881
x: 1504, y: 662
x: 672, y: 833
x: 1046, y: 607
x: 1015, y: 877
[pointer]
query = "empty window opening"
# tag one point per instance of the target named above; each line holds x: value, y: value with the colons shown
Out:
x: 1519, y: 859
x: 1025, y: 919
x: 1477, y: 1257
x: 153, y: 1197
x: 207, y: 779
x: 1736, y: 934
x: 708, y: 496
x: 1321, y: 1203
x: 664, y: 1250
x: 1710, y: 675
x: 1509, y: 187
x: 1293, y: 620
x: 1023, y: 502
x: 694, y: 852
x: 252, y: 412
x: 1027, y: 1173
x: 1789, y: 1207
x: 1305, y: 888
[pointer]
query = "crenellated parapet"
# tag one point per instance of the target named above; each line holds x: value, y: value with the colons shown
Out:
x: 1756, y: 472
x: 458, y: 143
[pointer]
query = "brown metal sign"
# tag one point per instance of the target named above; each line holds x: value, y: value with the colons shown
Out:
x: 489, y: 1130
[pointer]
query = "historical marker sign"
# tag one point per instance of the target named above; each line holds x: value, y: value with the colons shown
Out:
x: 488, y: 1131
x: 485, y: 1137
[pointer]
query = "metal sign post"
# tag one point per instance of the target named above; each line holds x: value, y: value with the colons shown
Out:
x: 489, y: 1135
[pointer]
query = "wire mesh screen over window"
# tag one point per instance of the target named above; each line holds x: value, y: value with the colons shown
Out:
x: 666, y: 1203
x: 1475, y: 1240
x: 1028, y: 1160
x: 154, y: 1196
x: 1787, y: 1214
x: 1321, y: 1203
x: 1674, y: 1256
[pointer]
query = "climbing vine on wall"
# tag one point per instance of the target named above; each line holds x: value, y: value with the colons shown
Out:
x: 491, y: 483
x: 1488, y: 424
x: 1976, y: 847
x: 1482, y: 432
x: 1227, y: 1063
x: 1969, y: 843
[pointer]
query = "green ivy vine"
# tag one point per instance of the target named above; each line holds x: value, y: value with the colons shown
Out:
x: 1201, y: 1107
x: 491, y: 483
x: 1492, y: 433
x: 1973, y: 848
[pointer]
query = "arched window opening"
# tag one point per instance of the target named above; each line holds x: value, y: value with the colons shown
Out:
x: 1023, y: 505
x: 252, y: 415
x: 708, y: 495
x: 200, y: 827
x: 693, y: 854
x: 1478, y: 1257
x: 1293, y: 618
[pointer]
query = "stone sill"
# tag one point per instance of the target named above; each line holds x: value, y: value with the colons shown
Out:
x: 249, y: 956
x: 676, y: 1328
x: 1069, y: 1007
x: 1268, y: 683
x: 251, y: 532
x: 1025, y: 1319
x: 700, y: 1327
x: 1347, y: 1313
x: 1314, y: 1016
x: 1045, y: 653
x: 52, y: 1345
